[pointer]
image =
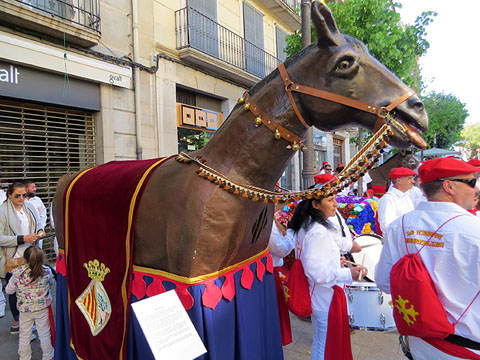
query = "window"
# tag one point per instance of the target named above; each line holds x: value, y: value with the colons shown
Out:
x: 203, y: 25
x: 281, y: 44
x: 254, y: 40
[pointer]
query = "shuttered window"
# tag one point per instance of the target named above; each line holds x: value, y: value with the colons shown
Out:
x: 281, y: 43
x: 203, y: 26
x: 42, y: 143
x: 254, y: 40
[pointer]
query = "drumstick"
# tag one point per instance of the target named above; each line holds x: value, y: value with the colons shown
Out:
x: 361, y: 271
x: 365, y: 246
x: 351, y: 262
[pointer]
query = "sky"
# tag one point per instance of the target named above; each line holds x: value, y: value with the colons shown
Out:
x: 451, y: 64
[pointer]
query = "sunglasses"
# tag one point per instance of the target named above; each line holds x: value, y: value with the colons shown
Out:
x: 470, y: 182
x: 16, y: 196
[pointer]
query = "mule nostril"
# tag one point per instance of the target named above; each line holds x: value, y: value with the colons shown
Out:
x: 416, y: 104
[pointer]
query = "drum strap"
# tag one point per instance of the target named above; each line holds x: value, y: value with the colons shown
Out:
x: 340, y: 223
x: 461, y: 341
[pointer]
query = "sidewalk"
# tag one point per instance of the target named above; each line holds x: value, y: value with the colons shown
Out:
x: 365, y: 345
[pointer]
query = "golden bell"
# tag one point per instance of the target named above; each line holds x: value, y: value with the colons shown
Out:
x: 303, y: 148
x: 246, y: 106
x: 241, y: 100
x: 277, y: 134
x: 258, y: 121
x: 295, y: 146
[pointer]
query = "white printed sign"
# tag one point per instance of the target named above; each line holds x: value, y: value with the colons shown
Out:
x: 167, y: 327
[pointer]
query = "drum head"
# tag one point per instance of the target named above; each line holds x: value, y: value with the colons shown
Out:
x: 370, y: 254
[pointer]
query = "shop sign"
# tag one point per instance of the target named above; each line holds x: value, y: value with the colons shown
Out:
x: 192, y: 117
x: 25, y: 83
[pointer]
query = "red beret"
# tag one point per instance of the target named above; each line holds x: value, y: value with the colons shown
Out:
x: 325, y: 163
x: 474, y: 162
x: 323, y: 178
x: 339, y: 165
x: 437, y: 168
x: 401, y: 172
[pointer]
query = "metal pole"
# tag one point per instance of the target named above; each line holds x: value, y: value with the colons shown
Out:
x: 307, y: 172
x: 360, y: 145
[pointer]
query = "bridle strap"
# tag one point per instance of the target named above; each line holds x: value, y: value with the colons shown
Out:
x: 286, y: 80
x: 381, y: 112
x: 270, y: 123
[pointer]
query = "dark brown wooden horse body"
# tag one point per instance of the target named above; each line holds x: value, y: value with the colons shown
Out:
x: 381, y: 174
x: 188, y: 226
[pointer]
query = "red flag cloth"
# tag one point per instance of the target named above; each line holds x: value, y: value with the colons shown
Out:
x: 212, y: 294
x: 338, y: 346
x: 283, y: 314
x: 100, y: 204
x: 452, y: 349
x: 52, y: 325
x: 417, y: 310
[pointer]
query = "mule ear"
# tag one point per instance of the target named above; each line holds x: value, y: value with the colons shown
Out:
x: 325, y: 26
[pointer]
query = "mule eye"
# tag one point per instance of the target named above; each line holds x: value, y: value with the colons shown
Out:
x: 345, y: 63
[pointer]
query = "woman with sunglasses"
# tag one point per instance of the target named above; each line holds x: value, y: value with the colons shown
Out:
x: 19, y: 229
x: 317, y: 248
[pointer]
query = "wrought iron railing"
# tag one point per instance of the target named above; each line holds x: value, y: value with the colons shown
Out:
x: 82, y: 12
x: 293, y: 4
x: 195, y: 30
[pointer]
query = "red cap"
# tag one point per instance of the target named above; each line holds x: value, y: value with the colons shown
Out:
x: 437, y: 168
x: 323, y: 178
x: 401, y: 172
x: 339, y: 165
x: 474, y: 162
x: 325, y: 163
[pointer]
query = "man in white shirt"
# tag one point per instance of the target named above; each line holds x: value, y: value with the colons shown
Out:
x: 36, y: 201
x: 3, y: 303
x: 396, y: 200
x: 451, y: 256
x: 3, y: 195
x: 33, y: 199
x: 416, y: 193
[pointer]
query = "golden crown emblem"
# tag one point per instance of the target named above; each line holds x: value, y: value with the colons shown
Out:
x: 96, y: 270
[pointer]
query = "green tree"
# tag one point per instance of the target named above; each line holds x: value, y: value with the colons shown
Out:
x: 374, y: 22
x: 447, y: 116
x: 470, y: 134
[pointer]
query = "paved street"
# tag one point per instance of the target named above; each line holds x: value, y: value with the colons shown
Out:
x: 365, y: 345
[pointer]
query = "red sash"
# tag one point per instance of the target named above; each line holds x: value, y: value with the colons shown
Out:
x: 282, y: 310
x: 338, y: 345
x: 452, y: 349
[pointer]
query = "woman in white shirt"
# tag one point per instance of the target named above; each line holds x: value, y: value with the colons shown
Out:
x: 19, y: 225
x: 320, y: 256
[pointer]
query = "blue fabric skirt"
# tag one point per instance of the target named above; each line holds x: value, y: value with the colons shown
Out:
x: 245, y: 328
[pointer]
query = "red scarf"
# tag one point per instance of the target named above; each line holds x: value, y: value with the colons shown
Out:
x: 338, y: 345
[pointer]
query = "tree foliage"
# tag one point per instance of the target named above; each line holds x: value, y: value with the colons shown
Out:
x: 374, y: 22
x: 447, y: 116
x: 471, y: 137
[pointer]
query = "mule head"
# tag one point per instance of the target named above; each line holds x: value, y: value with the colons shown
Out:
x: 342, y: 65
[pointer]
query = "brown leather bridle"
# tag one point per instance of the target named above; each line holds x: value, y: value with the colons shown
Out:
x: 262, y: 118
x: 381, y: 112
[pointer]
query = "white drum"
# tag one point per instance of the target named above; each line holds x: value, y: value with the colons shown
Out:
x: 370, y: 254
x: 369, y: 308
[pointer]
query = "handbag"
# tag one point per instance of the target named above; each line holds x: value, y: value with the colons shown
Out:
x: 297, y: 293
x: 13, y: 263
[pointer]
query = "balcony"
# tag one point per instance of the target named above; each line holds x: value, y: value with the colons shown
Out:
x: 286, y: 11
x: 202, y: 41
x: 76, y: 21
